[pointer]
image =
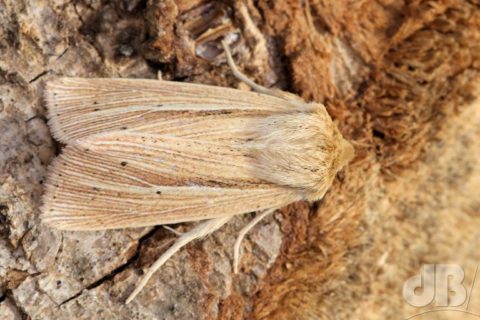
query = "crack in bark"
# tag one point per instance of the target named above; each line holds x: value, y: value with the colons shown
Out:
x: 4, y: 222
x: 38, y: 76
x: 108, y: 277
x: 37, y: 286
x: 9, y: 295
x: 62, y: 54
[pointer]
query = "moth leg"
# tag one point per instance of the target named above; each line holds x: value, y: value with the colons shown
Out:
x: 178, y: 233
x: 201, y: 230
x: 241, y: 236
x: 256, y: 87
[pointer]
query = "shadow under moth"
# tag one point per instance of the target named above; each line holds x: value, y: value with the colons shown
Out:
x: 150, y: 152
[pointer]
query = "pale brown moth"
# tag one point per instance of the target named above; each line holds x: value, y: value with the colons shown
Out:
x: 151, y: 152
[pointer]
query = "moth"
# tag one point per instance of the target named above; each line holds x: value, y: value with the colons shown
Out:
x: 150, y: 152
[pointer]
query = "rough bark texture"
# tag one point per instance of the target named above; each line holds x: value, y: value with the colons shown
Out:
x: 401, y: 79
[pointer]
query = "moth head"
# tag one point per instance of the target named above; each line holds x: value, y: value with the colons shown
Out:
x: 335, y: 152
x: 344, y: 153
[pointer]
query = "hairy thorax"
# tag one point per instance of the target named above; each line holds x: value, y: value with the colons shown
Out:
x: 301, y: 150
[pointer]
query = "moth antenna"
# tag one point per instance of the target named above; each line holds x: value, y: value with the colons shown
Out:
x: 159, y: 75
x: 256, y: 87
x: 241, y: 236
x: 201, y: 230
x: 239, y: 75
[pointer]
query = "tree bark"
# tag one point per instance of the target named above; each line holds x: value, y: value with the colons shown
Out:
x: 401, y: 80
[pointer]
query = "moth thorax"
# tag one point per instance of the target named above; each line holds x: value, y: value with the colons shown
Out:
x: 300, y: 150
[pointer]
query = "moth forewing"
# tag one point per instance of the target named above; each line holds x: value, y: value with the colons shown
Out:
x: 121, y: 180
x: 80, y: 107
